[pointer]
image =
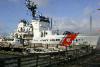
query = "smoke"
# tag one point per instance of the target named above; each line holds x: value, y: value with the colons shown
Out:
x: 80, y: 25
x: 66, y: 24
x: 88, y: 10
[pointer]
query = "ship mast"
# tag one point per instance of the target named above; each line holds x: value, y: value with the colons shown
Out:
x: 32, y: 7
x: 90, y: 23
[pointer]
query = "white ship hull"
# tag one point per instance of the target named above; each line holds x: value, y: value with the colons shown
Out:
x: 91, y: 40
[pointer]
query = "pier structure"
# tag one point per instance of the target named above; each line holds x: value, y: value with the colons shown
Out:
x: 52, y: 59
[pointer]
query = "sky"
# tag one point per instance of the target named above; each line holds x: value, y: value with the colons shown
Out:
x: 67, y: 15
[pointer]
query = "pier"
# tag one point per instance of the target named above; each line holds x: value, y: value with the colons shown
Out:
x: 15, y: 59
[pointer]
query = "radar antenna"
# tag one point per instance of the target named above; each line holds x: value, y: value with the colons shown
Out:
x: 32, y: 7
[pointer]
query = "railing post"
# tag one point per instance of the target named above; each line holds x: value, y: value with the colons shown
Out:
x: 37, y: 58
x: 50, y: 59
x: 19, y: 62
x: 2, y: 63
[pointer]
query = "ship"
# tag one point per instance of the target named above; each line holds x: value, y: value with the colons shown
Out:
x: 38, y: 33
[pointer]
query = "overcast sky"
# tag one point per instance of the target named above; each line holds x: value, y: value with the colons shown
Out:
x: 72, y: 15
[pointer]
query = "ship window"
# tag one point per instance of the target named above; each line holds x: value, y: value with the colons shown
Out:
x: 52, y: 40
x: 21, y: 29
x: 46, y: 33
x: 18, y: 40
x: 44, y: 19
x: 44, y: 40
x: 23, y: 36
x: 41, y: 34
x: 76, y: 40
x: 57, y: 39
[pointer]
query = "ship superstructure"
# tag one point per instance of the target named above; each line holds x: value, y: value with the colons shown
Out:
x: 38, y: 30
